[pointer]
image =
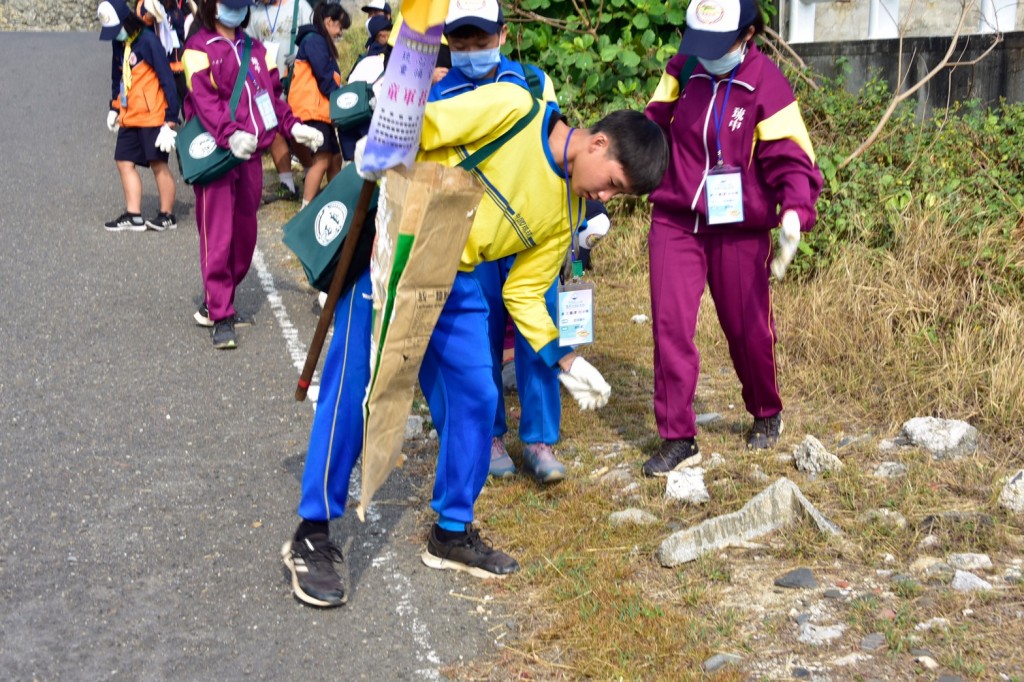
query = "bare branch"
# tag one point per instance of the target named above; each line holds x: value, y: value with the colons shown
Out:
x: 798, y: 64
x: 901, y: 97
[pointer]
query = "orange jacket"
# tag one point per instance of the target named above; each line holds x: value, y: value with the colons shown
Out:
x: 152, y: 97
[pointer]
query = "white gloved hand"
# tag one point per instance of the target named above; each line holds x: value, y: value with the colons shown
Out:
x: 586, y: 384
x: 165, y: 139
x: 307, y: 135
x: 155, y: 8
x: 594, y: 230
x: 112, y: 123
x: 789, y: 239
x: 242, y: 144
x: 357, y: 158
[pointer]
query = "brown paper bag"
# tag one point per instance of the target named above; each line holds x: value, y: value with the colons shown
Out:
x: 424, y: 215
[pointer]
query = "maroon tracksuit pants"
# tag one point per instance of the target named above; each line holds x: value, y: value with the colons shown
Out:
x: 226, y: 218
x: 735, y: 266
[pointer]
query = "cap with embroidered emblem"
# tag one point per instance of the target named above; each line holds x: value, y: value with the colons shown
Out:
x: 713, y: 26
x: 485, y: 15
x: 111, y: 14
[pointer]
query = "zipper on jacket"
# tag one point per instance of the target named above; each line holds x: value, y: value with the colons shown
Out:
x: 707, y: 155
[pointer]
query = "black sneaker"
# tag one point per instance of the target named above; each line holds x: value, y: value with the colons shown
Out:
x: 132, y: 222
x: 224, y: 334
x: 202, y: 316
x: 313, y: 562
x: 674, y: 455
x: 281, y: 193
x: 163, y: 221
x: 467, y: 552
x: 765, y: 432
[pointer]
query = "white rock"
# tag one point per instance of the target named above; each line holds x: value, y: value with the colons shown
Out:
x: 968, y: 582
x: 1012, y: 496
x: 413, y: 426
x: 687, y: 485
x: 639, y: 319
x: 851, y: 659
x: 887, y: 518
x: 820, y: 634
x: 970, y: 562
x: 811, y: 457
x: 715, y: 460
x: 928, y: 541
x: 638, y: 517
x: 928, y: 662
x: 932, y: 625
x: 890, y: 470
x: 943, y: 438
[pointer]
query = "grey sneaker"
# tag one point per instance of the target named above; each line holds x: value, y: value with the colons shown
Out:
x: 765, y: 432
x: 224, y: 335
x: 163, y: 221
x: 540, y: 462
x: 467, y: 552
x: 673, y: 455
x: 501, y: 464
x: 313, y: 562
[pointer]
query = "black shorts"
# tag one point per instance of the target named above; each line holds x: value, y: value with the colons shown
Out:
x: 330, y: 145
x: 138, y: 145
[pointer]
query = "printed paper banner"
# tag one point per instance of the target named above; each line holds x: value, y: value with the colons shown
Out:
x: 424, y: 215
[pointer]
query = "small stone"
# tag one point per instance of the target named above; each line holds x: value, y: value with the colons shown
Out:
x: 940, y: 573
x: 886, y: 614
x: 833, y: 594
x: 634, y: 516
x: 820, y: 634
x: 943, y: 438
x: 850, y: 659
x: 955, y: 519
x: 802, y: 618
x: 616, y: 477
x: 933, y: 625
x: 842, y: 584
x: 719, y: 661
x: 968, y: 582
x: 876, y: 640
x: 801, y: 674
x: 715, y: 460
x: 706, y: 418
x: 970, y: 562
x: 432, y: 435
x: 413, y: 426
x: 1014, y: 575
x: 928, y: 541
x: 886, y: 518
x: 901, y: 578
x: 928, y: 662
x: 639, y: 319
x: 890, y: 470
x: 918, y: 652
x: 1012, y: 495
x: 687, y: 485
x: 801, y: 578
x: 950, y: 677
x: 811, y: 457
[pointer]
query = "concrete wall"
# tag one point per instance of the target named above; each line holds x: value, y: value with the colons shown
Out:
x: 1000, y: 74
x: 848, y: 19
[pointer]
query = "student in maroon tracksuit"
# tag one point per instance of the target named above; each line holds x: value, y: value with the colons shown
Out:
x: 741, y: 164
x: 226, y: 207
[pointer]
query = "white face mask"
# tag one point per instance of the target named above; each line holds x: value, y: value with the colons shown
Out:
x: 726, y: 63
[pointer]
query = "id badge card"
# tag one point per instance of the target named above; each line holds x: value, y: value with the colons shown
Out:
x: 575, y: 314
x: 266, y: 108
x: 723, y: 193
x: 123, y: 96
x: 274, y: 52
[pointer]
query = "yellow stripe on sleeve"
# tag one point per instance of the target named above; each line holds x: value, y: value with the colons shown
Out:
x: 786, y: 124
x: 195, y: 61
x: 667, y: 90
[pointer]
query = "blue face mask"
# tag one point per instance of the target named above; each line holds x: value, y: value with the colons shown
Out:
x: 725, y: 63
x: 122, y: 35
x: 476, y: 64
x: 231, y: 17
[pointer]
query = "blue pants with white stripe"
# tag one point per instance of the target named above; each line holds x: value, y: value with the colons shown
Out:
x: 456, y: 379
x: 536, y: 381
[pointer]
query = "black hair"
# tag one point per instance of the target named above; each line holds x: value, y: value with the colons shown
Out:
x: 469, y: 32
x: 132, y: 24
x: 638, y: 144
x: 757, y: 23
x: 330, y: 10
x: 208, y: 15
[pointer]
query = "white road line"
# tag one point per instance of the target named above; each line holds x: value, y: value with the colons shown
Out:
x: 406, y: 608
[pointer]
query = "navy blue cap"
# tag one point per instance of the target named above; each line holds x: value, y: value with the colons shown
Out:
x: 111, y: 14
x: 713, y: 26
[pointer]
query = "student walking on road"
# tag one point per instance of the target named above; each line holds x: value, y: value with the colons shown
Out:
x: 742, y: 162
x: 143, y: 111
x: 226, y: 207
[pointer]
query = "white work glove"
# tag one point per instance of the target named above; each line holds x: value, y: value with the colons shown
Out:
x: 155, y: 8
x: 307, y: 135
x: 165, y: 139
x: 586, y: 384
x: 594, y: 230
x: 112, y: 124
x: 357, y: 158
x: 789, y: 238
x: 242, y: 144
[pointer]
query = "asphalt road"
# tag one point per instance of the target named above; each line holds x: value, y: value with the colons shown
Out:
x: 147, y: 481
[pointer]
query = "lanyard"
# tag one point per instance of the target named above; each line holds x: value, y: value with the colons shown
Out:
x: 720, y: 114
x: 574, y: 247
x: 126, y: 66
x: 277, y: 15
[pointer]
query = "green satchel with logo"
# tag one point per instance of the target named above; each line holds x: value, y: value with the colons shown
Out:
x: 316, y: 233
x: 350, y: 105
x: 199, y: 157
